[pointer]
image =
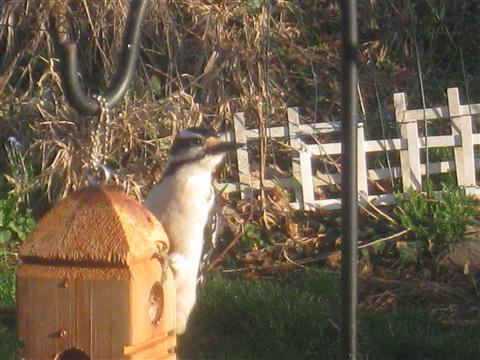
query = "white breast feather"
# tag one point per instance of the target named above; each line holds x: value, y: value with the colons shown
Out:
x: 182, y: 203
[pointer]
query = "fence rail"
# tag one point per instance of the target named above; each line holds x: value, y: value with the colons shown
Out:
x: 307, y: 179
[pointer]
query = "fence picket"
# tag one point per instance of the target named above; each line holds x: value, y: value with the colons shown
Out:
x: 361, y: 161
x: 307, y: 181
x: 409, y: 158
x: 296, y: 143
x: 245, y: 181
x: 462, y: 126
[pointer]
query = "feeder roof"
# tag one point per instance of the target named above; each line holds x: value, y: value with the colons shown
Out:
x: 95, y: 225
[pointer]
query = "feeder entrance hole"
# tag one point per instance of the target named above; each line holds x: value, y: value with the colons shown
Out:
x: 73, y: 354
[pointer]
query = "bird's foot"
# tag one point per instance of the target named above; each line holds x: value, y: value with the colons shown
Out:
x: 162, y: 256
x: 176, y: 261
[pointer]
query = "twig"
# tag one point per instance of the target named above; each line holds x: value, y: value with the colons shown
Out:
x: 263, y: 158
x: 360, y: 97
x: 334, y: 324
x: 390, y: 219
x: 418, y: 283
x: 281, y: 266
x: 391, y: 237
x: 300, y: 263
x: 327, y: 155
x: 291, y: 261
x: 224, y: 253
x: 284, y: 266
x: 369, y: 212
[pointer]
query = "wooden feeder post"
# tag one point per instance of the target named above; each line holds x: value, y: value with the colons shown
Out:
x: 90, y: 284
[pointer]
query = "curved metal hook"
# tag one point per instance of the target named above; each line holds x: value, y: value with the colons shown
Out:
x: 130, y: 47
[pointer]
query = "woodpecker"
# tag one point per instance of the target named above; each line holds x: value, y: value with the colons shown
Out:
x: 184, y: 202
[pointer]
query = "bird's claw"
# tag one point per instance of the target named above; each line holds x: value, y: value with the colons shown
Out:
x: 163, y: 257
x: 175, y: 261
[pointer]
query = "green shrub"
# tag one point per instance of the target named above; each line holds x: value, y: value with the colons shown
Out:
x: 16, y: 219
x: 14, y: 224
x: 437, y: 220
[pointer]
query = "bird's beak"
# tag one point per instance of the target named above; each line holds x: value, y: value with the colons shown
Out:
x: 218, y: 146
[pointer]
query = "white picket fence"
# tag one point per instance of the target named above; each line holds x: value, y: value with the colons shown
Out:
x: 306, y: 181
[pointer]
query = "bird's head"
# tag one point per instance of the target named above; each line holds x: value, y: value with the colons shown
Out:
x: 199, y: 147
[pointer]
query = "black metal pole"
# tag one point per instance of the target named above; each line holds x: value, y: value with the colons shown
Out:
x: 348, y: 10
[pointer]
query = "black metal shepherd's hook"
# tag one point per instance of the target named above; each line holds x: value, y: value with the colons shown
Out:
x: 69, y: 65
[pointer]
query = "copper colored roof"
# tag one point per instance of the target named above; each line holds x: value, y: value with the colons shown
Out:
x: 95, y: 225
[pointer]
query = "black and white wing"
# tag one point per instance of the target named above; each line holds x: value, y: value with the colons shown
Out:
x: 213, y: 228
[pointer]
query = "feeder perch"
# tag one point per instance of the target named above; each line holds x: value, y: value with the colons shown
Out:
x: 90, y: 284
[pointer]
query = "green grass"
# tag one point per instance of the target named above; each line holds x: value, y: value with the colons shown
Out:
x: 7, y: 286
x: 292, y: 318
x: 295, y: 317
x: 239, y: 319
x: 8, y: 341
x: 413, y: 335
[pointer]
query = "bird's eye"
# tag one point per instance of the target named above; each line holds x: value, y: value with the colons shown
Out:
x: 198, y: 141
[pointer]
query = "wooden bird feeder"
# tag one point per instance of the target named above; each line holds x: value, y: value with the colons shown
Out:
x: 90, y: 284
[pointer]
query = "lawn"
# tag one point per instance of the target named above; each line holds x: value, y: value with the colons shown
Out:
x: 295, y: 316
x: 7, y: 321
